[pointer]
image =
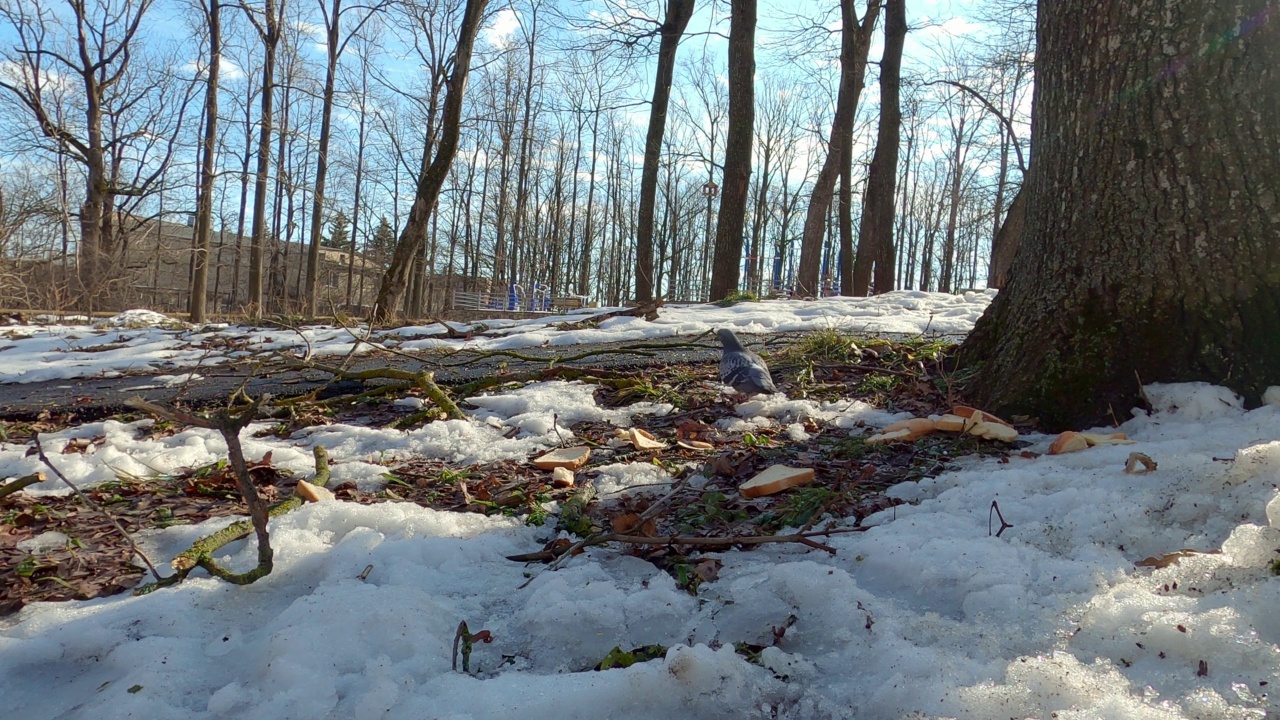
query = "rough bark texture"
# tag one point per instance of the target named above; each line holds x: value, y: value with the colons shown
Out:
x: 875, y: 232
x: 431, y: 181
x: 1153, y: 210
x: 855, y: 43
x: 678, y: 14
x: 727, y: 266
x: 1007, y: 241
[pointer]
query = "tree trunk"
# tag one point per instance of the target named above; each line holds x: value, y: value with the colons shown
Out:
x: 875, y: 232
x: 333, y: 47
x: 844, y: 220
x: 522, y: 167
x: 678, y: 14
x: 589, y: 222
x: 432, y: 177
x: 269, y: 32
x: 855, y: 43
x: 1152, y: 213
x: 727, y: 264
x: 1007, y: 240
x: 204, y: 205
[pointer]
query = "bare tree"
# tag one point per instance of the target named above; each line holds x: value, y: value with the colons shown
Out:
x: 268, y: 22
x: 75, y: 73
x: 855, y: 43
x: 212, y: 12
x: 875, y: 233
x: 335, y: 45
x: 672, y: 28
x: 726, y: 267
x: 432, y: 178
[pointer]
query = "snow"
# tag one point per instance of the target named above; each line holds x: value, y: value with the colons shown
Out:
x: 926, y: 614
x: 142, y: 341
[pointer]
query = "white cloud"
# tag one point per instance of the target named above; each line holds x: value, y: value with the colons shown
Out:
x: 502, y: 27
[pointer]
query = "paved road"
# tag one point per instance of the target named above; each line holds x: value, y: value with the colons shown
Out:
x: 96, y: 398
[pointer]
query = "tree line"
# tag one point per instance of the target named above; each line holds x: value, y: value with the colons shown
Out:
x: 601, y: 150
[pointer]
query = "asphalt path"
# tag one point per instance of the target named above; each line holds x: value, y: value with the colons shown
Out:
x: 98, y: 397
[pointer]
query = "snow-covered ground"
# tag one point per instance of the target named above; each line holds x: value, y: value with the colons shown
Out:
x: 925, y: 614
x: 141, y: 341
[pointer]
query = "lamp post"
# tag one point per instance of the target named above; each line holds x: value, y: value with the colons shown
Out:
x: 709, y: 191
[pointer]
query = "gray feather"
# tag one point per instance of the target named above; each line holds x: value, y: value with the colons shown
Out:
x: 742, y: 369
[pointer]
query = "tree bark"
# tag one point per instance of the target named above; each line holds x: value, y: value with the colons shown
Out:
x: 727, y: 265
x: 1153, y: 207
x: 269, y: 33
x: 875, y: 232
x: 855, y: 43
x: 333, y: 47
x: 1008, y: 238
x: 678, y: 14
x: 204, y: 205
x: 431, y: 180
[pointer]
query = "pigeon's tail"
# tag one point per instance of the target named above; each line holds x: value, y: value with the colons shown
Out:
x: 729, y: 340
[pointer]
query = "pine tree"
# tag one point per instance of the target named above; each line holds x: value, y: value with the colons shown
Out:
x: 339, y: 233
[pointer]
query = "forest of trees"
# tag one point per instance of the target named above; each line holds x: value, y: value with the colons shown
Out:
x: 278, y: 129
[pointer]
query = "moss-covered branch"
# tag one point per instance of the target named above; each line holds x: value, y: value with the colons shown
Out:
x: 200, y: 554
x: 16, y: 485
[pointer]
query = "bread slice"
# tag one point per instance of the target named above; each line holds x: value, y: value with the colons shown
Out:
x: 1068, y: 442
x: 775, y: 479
x: 903, y: 435
x: 562, y: 477
x: 951, y: 423
x: 1111, y: 439
x: 313, y: 493
x: 916, y: 427
x: 571, y: 458
x: 975, y: 415
x: 994, y: 431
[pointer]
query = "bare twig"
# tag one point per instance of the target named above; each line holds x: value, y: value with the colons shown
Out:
x: 87, y: 501
x: 995, y: 508
x: 688, y: 541
x: 229, y: 426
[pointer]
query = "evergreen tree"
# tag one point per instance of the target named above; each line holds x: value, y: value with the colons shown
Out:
x: 384, y: 240
x: 340, y: 232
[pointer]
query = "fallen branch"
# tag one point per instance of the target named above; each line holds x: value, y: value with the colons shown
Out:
x: 229, y: 425
x: 16, y: 485
x: 689, y: 541
x: 200, y: 554
x: 423, y: 380
x: 648, y: 311
x: 636, y: 349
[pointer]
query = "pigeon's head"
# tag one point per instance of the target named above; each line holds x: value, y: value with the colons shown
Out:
x: 728, y: 339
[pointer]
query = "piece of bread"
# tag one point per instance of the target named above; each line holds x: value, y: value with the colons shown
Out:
x: 695, y: 445
x: 562, y: 477
x: 1111, y: 439
x: 775, y: 479
x: 888, y: 437
x: 976, y: 415
x: 916, y: 427
x: 313, y: 493
x: 1068, y: 442
x: 571, y: 458
x: 993, y: 431
x: 951, y: 423
x: 644, y: 440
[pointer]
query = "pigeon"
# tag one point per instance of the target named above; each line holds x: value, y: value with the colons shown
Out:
x: 742, y: 369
